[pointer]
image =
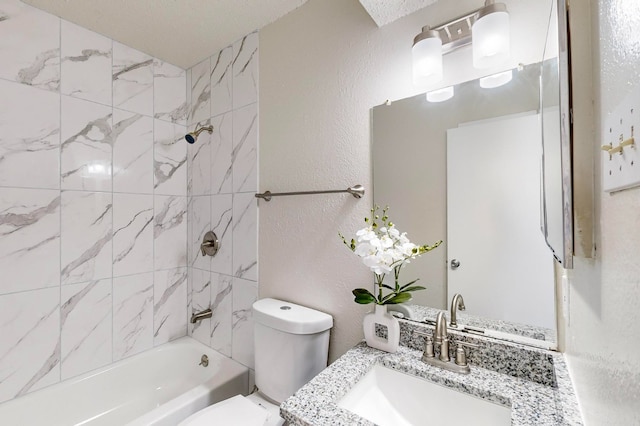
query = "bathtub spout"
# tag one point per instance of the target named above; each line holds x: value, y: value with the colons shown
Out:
x: 199, y: 316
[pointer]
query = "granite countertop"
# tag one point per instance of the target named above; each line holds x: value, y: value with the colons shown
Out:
x: 421, y: 313
x: 531, y: 403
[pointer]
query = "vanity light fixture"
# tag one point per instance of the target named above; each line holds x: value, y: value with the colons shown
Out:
x: 490, y: 35
x: 440, y: 95
x: 486, y: 28
x: 496, y: 80
x: 427, y: 57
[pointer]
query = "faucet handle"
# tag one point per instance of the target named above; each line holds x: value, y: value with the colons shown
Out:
x: 461, y: 354
x: 428, y: 344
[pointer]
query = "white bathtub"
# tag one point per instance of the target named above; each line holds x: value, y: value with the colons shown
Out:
x: 159, y: 387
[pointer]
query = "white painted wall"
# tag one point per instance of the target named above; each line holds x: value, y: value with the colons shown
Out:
x: 602, y: 340
x: 322, y: 67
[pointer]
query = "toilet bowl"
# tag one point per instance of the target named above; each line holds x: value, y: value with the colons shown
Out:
x: 291, y: 346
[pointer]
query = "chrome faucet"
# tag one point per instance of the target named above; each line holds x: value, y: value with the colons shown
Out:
x: 441, y: 338
x: 199, y: 316
x: 456, y: 303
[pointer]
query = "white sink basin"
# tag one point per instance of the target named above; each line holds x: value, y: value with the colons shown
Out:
x: 391, y: 398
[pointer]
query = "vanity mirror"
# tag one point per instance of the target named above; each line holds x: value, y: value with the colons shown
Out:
x: 486, y: 171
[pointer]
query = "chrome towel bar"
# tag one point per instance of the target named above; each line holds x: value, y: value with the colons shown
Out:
x: 357, y: 191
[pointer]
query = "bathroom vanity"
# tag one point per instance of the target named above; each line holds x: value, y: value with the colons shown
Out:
x: 532, y: 384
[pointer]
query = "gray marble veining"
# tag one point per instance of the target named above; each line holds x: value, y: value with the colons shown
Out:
x: 29, y: 136
x: 29, y: 320
x: 200, y: 92
x: 170, y: 306
x: 29, y: 235
x: 85, y: 64
x: 86, y: 236
x: 221, y: 305
x: 132, y: 80
x: 132, y: 315
x: 86, y: 145
x: 86, y: 322
x: 32, y: 59
x: 170, y: 98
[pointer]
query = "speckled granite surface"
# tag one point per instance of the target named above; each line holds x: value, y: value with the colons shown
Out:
x: 513, y: 359
x: 531, y: 403
x: 422, y: 312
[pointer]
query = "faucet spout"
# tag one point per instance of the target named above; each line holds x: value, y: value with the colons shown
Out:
x: 441, y: 337
x: 456, y: 303
x: 441, y: 328
x: 199, y: 316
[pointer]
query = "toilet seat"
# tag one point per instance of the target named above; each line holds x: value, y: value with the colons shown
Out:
x: 235, y: 411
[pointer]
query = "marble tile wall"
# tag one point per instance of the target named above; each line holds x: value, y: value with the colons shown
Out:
x: 222, y: 181
x: 93, y: 202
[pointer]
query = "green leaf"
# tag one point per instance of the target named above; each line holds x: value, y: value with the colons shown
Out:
x: 363, y: 296
x: 414, y: 288
x: 408, y: 284
x: 388, y: 296
x: 399, y: 298
x: 388, y: 286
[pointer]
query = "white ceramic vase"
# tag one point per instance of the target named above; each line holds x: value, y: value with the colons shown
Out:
x: 382, y: 317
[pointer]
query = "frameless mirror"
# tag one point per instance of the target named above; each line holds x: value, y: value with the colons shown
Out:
x: 485, y: 172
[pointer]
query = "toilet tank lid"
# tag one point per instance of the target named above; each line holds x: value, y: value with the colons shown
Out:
x: 290, y: 318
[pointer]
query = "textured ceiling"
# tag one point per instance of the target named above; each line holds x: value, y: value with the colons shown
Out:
x: 386, y: 11
x: 181, y: 32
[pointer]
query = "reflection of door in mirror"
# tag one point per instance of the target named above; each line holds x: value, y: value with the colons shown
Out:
x: 409, y: 173
x: 493, y: 213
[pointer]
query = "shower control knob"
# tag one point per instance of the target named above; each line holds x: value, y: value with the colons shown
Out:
x: 210, y: 244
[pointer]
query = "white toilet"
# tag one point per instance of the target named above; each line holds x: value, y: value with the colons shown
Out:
x: 291, y: 347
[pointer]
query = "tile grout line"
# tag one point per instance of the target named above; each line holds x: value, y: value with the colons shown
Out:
x: 60, y: 195
x: 113, y: 208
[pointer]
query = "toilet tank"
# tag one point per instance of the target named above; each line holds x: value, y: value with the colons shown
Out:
x: 291, y: 346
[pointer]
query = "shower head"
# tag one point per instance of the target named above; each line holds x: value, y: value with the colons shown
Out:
x: 191, y: 137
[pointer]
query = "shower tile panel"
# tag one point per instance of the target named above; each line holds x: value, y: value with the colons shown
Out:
x: 169, y: 93
x: 199, y: 162
x: 170, y: 305
x: 86, y: 235
x: 245, y: 244
x: 222, y: 81
x: 222, y: 307
x: 199, y: 225
x: 29, y: 239
x: 132, y: 315
x: 86, y: 322
x: 221, y: 224
x: 245, y: 293
x: 200, y: 92
x: 245, y: 71
x: 221, y: 149
x: 132, y: 234
x: 245, y: 146
x: 170, y: 158
x: 132, y: 136
x: 86, y: 149
x: 29, y: 136
x: 86, y: 64
x: 132, y: 76
x: 29, y: 341
x: 199, y: 292
x: 170, y: 232
x: 32, y: 57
